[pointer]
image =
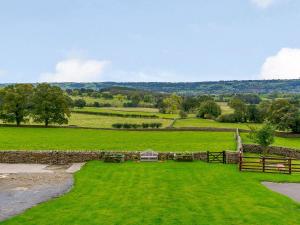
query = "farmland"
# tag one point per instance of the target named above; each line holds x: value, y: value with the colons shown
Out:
x: 279, y: 141
x: 197, y: 122
x: 98, y: 121
x: 166, y: 193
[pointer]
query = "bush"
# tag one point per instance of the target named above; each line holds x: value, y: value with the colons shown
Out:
x: 145, y: 125
x: 184, y: 157
x: 117, y: 125
x: 227, y: 118
x: 209, y: 117
x: 136, y: 126
x: 80, y: 103
x: 183, y: 114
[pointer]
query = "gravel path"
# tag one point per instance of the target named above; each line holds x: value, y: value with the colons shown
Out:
x: 23, y: 186
x: 291, y: 190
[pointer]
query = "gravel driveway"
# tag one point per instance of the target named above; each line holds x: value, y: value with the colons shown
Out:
x: 23, y: 186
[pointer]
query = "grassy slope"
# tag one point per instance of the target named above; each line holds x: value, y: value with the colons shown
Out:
x: 196, y: 122
x: 80, y: 139
x: 225, y: 108
x: 279, y: 141
x: 97, y: 121
x: 166, y: 193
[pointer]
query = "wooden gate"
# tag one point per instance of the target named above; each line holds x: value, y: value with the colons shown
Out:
x: 216, y: 157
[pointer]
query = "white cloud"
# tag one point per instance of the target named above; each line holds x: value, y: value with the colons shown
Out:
x: 263, y: 3
x: 76, y: 70
x: 284, y: 65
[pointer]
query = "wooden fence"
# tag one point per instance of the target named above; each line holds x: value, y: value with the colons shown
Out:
x: 269, y: 164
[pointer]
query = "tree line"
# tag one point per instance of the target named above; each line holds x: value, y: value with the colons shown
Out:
x: 43, y: 103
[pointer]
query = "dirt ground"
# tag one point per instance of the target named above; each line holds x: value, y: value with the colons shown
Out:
x: 23, y: 186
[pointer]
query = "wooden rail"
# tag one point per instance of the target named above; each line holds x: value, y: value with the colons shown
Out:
x: 269, y: 164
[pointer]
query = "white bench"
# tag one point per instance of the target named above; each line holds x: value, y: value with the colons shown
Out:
x: 149, y: 156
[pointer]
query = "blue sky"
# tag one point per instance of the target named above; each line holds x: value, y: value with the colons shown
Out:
x: 149, y: 40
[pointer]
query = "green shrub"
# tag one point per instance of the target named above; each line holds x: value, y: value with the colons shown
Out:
x: 227, y: 118
x: 136, y: 126
x: 184, y: 157
x: 114, y: 157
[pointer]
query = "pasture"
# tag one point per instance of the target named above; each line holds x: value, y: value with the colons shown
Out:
x: 126, y: 111
x: 20, y: 138
x: 98, y: 121
x: 166, y: 193
x: 279, y: 141
x: 197, y: 122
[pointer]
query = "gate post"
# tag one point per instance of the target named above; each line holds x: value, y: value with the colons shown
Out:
x: 224, y: 157
x: 290, y: 165
x: 264, y: 163
x: 207, y: 156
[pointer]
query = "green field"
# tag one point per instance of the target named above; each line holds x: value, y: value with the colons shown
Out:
x: 197, y: 122
x: 167, y: 193
x: 97, y: 121
x: 279, y: 141
x: 225, y: 108
x: 87, y: 139
x: 132, y: 111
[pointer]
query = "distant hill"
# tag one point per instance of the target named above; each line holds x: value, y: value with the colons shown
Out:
x: 213, y: 87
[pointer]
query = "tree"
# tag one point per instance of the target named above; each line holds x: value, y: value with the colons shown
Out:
x: 263, y: 136
x: 172, y: 103
x: 253, y: 114
x: 209, y: 108
x: 240, y: 109
x: 15, y: 103
x: 189, y: 104
x: 282, y: 114
x: 51, y: 105
x: 80, y: 103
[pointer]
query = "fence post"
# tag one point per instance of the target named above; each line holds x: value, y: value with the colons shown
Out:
x: 264, y: 163
x: 290, y: 165
x: 240, y: 162
x: 224, y: 157
x: 207, y: 156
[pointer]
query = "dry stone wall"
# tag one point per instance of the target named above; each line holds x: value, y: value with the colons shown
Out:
x: 67, y: 157
x: 287, y: 152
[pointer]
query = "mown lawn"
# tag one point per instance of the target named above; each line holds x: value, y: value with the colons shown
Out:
x: 97, y: 121
x: 198, y: 122
x: 167, y: 193
x: 87, y: 139
x: 279, y: 141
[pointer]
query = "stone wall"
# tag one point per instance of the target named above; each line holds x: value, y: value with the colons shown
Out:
x: 287, y: 152
x: 66, y: 157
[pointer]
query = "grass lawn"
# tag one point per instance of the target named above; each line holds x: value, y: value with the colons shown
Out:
x: 197, y: 122
x: 166, y: 193
x: 97, y: 121
x: 279, y: 141
x: 83, y: 139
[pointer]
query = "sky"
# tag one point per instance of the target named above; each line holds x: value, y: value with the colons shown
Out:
x: 148, y: 40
